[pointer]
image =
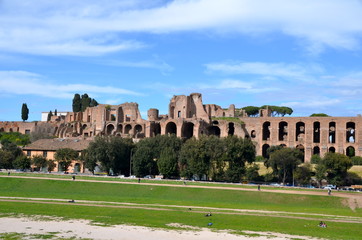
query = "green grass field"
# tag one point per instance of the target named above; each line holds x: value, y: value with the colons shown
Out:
x: 312, y: 208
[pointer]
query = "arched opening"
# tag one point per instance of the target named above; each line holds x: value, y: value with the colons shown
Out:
x: 127, y: 129
x: 231, y: 129
x: 265, y: 153
x: 187, y: 130
x: 171, y: 128
x: 155, y: 129
x: 214, y: 130
x: 316, y: 132
x: 350, y: 152
x: 137, y: 129
x: 300, y: 147
x: 299, y: 131
x: 283, y: 131
x: 266, y: 131
x: 120, y: 128
x: 215, y: 122
x: 1, y: 129
x: 316, y: 151
x: 10, y: 130
x: 76, y: 168
x: 332, y: 132
x: 332, y: 150
x: 109, y: 130
x: 350, y: 132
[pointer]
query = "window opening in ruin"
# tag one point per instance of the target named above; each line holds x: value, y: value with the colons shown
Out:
x: 113, y: 117
x: 127, y: 129
x: 27, y: 131
x: 332, y: 132
x: 188, y: 130
x: 179, y: 114
x: 332, y: 150
x: 301, y: 148
x: 265, y: 152
x: 350, y: 152
x: 266, y: 131
x: 156, y: 129
x: 316, y: 132
x: 10, y: 130
x: 231, y: 129
x: 110, y: 128
x: 316, y: 151
x: 88, y: 118
x: 85, y: 134
x: 214, y: 130
x: 300, y: 131
x: 215, y: 122
x: 350, y: 132
x: 138, y: 129
x: 253, y: 134
x: 171, y: 128
x: 283, y: 131
x: 128, y: 117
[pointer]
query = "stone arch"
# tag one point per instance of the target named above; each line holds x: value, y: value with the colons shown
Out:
x: 283, y: 131
x: 10, y: 130
x: 127, y: 129
x: 231, y: 129
x: 264, y: 151
x: 332, y: 149
x: 316, y: 151
x: 332, y: 132
x: 215, y: 122
x: 350, y: 151
x: 266, y: 131
x: 214, y: 130
x: 171, y: 128
x: 316, y: 132
x: 138, y: 129
x: 187, y: 130
x: 299, y: 131
x: 109, y: 129
x: 350, y: 132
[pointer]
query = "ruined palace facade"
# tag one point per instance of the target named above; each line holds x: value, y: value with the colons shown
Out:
x: 188, y: 117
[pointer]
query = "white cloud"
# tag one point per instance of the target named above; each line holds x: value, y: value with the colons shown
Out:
x: 99, y: 27
x: 22, y: 82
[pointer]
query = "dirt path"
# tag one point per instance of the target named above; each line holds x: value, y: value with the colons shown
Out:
x: 353, y: 200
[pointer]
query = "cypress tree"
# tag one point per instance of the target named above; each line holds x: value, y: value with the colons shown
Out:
x: 77, y: 104
x: 50, y: 114
x: 55, y: 112
x: 24, y: 112
x: 85, y: 102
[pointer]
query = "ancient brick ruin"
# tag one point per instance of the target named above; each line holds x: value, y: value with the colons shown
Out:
x: 188, y: 117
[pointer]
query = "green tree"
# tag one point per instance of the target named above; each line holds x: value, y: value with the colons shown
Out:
x: 64, y: 156
x: 22, y: 162
x: 303, y: 174
x: 356, y: 160
x: 24, y: 112
x: 50, y: 114
x: 333, y: 167
x: 6, y: 159
x: 85, y: 102
x: 238, y: 152
x: 39, y: 161
x: 252, y: 172
x: 51, y: 165
x: 315, y: 159
x: 167, y: 163
x: 77, y: 104
x: 12, y: 149
x: 319, y: 115
x: 284, y: 162
x: 252, y: 111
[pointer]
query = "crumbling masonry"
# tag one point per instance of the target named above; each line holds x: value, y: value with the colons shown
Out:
x: 188, y: 117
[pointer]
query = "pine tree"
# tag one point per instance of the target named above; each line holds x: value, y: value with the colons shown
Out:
x: 24, y: 112
x: 77, y: 104
x: 55, y: 112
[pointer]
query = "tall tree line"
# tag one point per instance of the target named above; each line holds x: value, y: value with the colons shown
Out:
x: 80, y: 103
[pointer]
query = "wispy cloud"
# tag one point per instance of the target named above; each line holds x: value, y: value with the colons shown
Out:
x: 22, y: 82
x: 99, y: 27
x: 295, y: 71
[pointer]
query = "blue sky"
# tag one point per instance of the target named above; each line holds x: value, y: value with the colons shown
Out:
x: 302, y: 54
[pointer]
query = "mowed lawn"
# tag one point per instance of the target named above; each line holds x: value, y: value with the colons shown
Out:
x: 185, y: 196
